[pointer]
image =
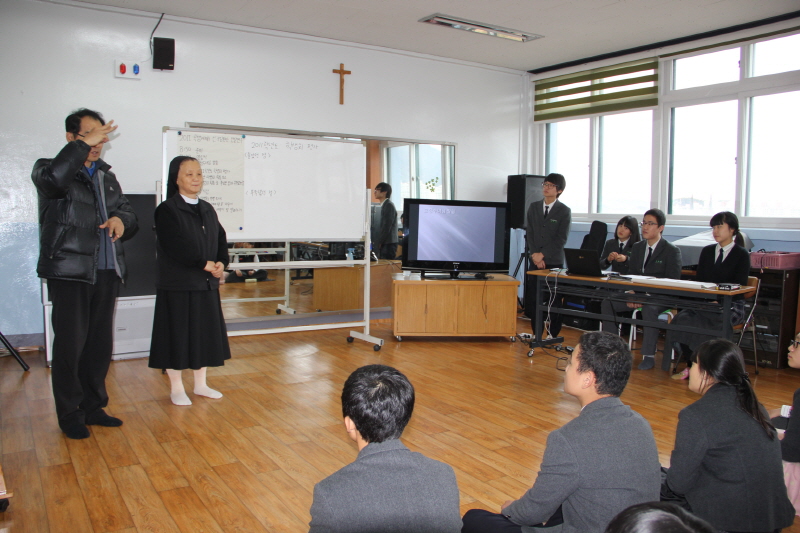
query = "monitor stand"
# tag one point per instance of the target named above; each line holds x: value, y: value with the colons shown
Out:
x: 455, y: 275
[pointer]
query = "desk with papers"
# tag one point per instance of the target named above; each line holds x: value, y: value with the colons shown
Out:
x: 680, y: 294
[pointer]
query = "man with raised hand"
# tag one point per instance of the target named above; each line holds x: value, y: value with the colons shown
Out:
x: 83, y: 219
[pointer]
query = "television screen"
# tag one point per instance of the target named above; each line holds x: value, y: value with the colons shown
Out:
x: 455, y: 236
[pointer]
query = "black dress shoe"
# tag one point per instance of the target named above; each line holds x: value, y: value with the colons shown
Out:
x: 101, y: 418
x: 76, y: 431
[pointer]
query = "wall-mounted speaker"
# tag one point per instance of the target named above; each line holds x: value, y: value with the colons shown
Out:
x: 163, y: 53
x: 523, y: 190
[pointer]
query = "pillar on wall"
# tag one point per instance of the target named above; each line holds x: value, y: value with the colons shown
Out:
x: 374, y: 164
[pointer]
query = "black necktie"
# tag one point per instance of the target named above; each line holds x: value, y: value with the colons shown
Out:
x: 621, y: 248
x: 546, y: 210
x: 719, y: 257
x: 649, y: 253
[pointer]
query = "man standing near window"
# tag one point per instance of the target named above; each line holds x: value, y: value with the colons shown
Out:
x: 83, y: 217
x: 547, y: 228
x: 384, y: 223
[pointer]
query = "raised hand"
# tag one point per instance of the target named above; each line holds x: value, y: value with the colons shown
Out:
x: 99, y: 134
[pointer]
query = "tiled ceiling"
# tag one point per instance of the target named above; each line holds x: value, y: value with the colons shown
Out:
x: 573, y: 29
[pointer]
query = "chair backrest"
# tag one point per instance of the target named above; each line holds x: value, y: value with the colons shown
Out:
x: 752, y: 281
x: 596, y: 238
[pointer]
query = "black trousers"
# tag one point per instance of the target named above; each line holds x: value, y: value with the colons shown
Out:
x: 556, y: 319
x: 482, y: 521
x: 388, y: 251
x: 83, y: 322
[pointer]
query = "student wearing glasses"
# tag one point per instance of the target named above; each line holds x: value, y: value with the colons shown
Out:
x: 547, y: 229
x: 652, y: 256
x: 617, y: 251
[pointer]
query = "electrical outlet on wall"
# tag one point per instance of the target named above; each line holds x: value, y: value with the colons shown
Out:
x: 127, y: 69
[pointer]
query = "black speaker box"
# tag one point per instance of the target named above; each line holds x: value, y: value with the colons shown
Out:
x: 578, y: 303
x: 523, y: 190
x: 141, y: 249
x: 163, y: 53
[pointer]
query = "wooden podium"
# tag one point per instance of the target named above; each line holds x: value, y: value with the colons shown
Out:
x: 341, y: 288
x: 458, y: 308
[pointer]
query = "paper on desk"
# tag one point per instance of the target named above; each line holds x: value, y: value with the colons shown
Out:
x: 680, y: 283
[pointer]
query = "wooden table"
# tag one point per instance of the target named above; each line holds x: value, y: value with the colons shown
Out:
x: 616, y: 290
x: 341, y: 288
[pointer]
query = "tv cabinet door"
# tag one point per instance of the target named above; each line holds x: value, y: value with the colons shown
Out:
x: 408, y: 307
x: 440, y: 316
x: 487, y: 309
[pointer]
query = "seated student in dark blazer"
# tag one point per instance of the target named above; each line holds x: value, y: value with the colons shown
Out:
x: 547, y: 229
x: 596, y: 465
x: 725, y: 262
x: 652, y: 256
x: 617, y: 251
x: 727, y: 458
x: 388, y: 488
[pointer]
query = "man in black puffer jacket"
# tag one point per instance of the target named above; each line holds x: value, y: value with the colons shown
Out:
x: 83, y: 217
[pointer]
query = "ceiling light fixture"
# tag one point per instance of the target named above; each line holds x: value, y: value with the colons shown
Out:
x: 480, y: 27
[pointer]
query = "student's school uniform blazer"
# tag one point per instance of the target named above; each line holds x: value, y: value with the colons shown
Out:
x: 664, y: 263
x: 727, y: 467
x: 612, y: 245
x: 549, y: 236
x: 387, y: 489
x: 596, y: 465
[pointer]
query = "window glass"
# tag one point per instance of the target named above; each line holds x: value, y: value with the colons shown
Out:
x: 625, y: 162
x: 707, y: 69
x: 419, y: 171
x: 776, y: 55
x: 398, y: 167
x: 429, y: 171
x: 774, y: 173
x: 568, y: 153
x: 703, y: 165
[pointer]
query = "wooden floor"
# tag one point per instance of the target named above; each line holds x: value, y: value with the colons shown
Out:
x: 249, y: 461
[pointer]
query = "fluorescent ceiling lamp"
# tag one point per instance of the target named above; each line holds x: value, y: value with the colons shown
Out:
x: 480, y: 27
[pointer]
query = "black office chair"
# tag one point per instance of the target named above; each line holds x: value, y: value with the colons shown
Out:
x: 596, y: 238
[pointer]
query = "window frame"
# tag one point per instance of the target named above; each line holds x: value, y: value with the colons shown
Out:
x: 742, y: 90
x: 448, y: 166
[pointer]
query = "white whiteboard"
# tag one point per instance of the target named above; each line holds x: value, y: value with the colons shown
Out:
x: 275, y: 188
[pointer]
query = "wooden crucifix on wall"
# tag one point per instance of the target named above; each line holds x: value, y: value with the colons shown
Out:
x: 342, y: 73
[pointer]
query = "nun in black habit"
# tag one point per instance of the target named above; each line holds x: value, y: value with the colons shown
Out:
x: 188, y: 326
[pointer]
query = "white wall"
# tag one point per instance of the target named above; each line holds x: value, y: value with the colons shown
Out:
x: 56, y: 57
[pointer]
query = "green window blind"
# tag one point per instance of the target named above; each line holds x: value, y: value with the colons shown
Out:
x: 629, y: 85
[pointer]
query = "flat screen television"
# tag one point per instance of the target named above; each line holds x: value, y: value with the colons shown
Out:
x: 455, y: 236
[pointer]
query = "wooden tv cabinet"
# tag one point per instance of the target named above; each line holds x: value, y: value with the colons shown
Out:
x: 457, y: 308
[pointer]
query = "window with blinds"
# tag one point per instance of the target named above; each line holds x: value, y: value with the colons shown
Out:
x: 631, y: 85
